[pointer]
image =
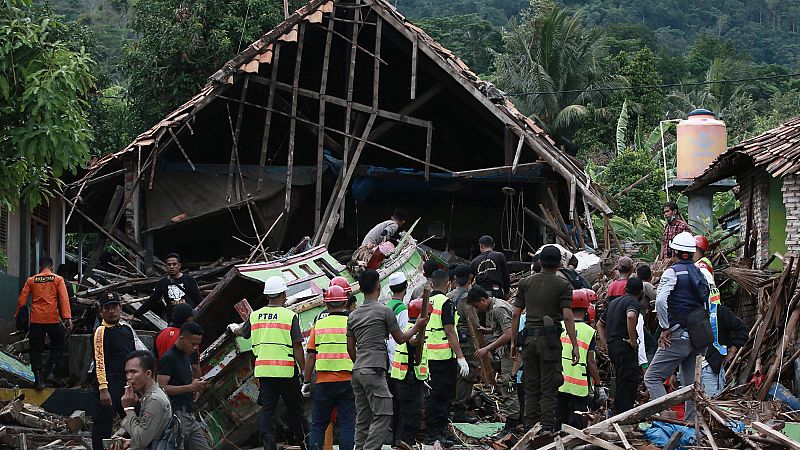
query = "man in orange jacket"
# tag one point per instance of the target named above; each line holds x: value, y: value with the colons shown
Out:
x: 49, y: 305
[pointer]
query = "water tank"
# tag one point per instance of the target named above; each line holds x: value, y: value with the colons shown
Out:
x: 701, y: 138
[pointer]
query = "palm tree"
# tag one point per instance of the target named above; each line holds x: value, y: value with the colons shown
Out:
x: 716, y: 97
x: 551, y: 70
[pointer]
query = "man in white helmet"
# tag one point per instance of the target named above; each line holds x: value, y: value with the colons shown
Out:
x: 682, y: 291
x: 274, y: 333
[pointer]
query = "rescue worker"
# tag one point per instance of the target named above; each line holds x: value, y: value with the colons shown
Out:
x: 112, y: 342
x: 368, y: 328
x: 617, y: 287
x: 682, y: 290
x: 175, y: 288
x: 573, y: 395
x: 498, y: 320
x: 49, y: 306
x: 463, y: 280
x: 674, y: 226
x: 155, y: 412
x: 410, y: 376
x: 547, y: 298
x: 327, y: 353
x: 730, y: 332
x: 385, y: 230
x: 445, y: 360
x: 274, y: 333
x: 618, y: 331
x: 398, y: 286
x: 490, y: 269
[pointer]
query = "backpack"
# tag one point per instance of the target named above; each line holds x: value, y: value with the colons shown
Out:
x: 171, y: 438
x: 577, y: 281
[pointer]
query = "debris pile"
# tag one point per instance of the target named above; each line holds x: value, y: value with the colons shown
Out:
x: 25, y: 426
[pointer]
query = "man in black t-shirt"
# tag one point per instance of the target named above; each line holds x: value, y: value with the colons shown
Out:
x: 490, y: 269
x: 175, y: 288
x: 175, y: 377
x: 617, y: 329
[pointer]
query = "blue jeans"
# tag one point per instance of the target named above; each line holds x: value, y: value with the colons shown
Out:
x: 326, y: 397
x: 713, y: 383
x: 680, y: 354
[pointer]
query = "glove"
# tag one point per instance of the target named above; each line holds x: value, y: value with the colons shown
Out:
x: 234, y: 327
x: 306, y: 390
x: 463, y: 367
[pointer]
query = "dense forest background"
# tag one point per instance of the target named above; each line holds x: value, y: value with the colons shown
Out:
x: 598, y: 75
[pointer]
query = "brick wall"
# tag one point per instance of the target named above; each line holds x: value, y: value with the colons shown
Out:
x: 791, y: 198
x: 756, y: 181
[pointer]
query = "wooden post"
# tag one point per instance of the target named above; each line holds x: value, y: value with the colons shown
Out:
x: 414, y: 48
x: 108, y: 220
x: 323, y: 86
x: 589, y: 223
x: 235, y: 136
x: 293, y: 119
x: 354, y: 28
x: 478, y: 341
x: 426, y: 295
x: 276, y: 52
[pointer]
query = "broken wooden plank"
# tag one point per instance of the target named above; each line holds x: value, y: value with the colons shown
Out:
x: 589, y: 438
x: 478, y: 341
x: 108, y: 220
x: 707, y: 431
x: 526, y: 438
x: 276, y: 52
x: 235, y: 136
x: 673, y: 442
x: 622, y: 437
x: 323, y: 89
x: 293, y: 120
x: 776, y: 435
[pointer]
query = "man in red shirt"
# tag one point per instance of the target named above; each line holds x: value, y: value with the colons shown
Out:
x: 49, y: 305
x: 617, y: 287
x: 675, y: 225
x: 181, y: 313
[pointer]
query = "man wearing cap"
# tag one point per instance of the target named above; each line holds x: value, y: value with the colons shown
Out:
x: 398, y: 286
x: 327, y: 352
x: 490, y: 269
x: 112, y: 341
x: 617, y: 329
x: 617, y: 287
x: 274, y: 333
x: 682, y: 290
x: 463, y: 280
x: 49, y: 305
x: 547, y: 298
x: 498, y: 320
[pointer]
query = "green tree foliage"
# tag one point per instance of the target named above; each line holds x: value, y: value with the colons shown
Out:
x: 44, y: 86
x: 182, y: 43
x: 473, y: 39
x: 553, y: 61
x: 626, y: 168
x: 497, y: 12
x: 639, y: 68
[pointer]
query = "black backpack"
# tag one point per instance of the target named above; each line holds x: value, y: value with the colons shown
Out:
x: 171, y: 438
x: 577, y: 281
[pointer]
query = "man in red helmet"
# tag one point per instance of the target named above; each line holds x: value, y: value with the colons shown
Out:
x: 700, y: 258
x: 573, y: 395
x: 326, y: 352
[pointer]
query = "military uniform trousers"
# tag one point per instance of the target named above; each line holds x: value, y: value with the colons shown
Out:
x: 542, y: 378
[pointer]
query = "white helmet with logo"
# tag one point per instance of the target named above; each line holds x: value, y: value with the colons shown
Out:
x: 274, y: 286
x: 683, y: 242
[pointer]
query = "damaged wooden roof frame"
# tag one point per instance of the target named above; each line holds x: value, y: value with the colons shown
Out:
x: 357, y: 134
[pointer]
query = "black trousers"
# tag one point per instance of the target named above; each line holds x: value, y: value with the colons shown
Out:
x: 270, y: 391
x: 627, y: 375
x: 104, y: 415
x: 567, y: 405
x: 36, y: 334
x: 409, y: 408
x: 444, y: 375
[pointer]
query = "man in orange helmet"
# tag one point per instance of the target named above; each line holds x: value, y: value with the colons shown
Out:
x: 327, y: 352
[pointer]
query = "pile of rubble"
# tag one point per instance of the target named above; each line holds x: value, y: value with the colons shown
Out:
x: 25, y: 426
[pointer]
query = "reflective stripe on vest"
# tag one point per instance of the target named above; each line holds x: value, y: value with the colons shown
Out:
x: 400, y: 362
x: 271, y: 338
x: 576, y: 380
x: 436, y: 343
x: 723, y: 350
x: 330, y: 341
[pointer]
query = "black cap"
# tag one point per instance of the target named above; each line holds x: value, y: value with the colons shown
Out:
x: 634, y: 286
x: 181, y: 312
x: 463, y: 271
x: 108, y: 298
x: 550, y: 255
x: 486, y: 240
x: 429, y: 267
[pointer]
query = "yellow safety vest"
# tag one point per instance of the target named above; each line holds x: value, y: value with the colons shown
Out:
x: 271, y: 339
x: 330, y: 339
x: 400, y: 362
x: 576, y: 379
x: 436, y: 343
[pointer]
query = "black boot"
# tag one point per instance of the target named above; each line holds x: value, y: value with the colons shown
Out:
x: 462, y: 417
x: 509, y: 428
x: 268, y: 441
x: 52, y: 379
x: 38, y: 380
